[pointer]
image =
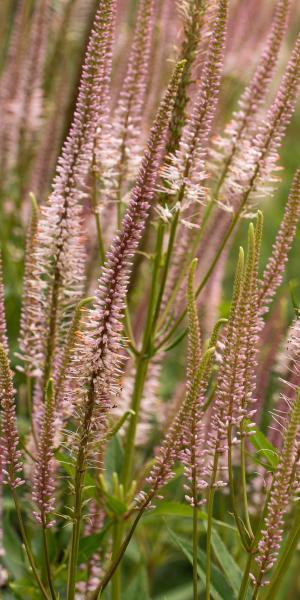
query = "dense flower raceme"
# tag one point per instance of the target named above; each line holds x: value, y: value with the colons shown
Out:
x: 97, y: 360
x: 58, y: 261
x: 43, y: 482
x: 126, y: 119
x: 186, y: 172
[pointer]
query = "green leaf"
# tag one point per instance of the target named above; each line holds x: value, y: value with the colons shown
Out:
x: 184, y: 592
x: 91, y: 543
x: 138, y: 588
x: 114, y: 455
x: 115, y: 505
x: 14, y: 557
x: 231, y: 570
x: 264, y: 448
x: 178, y: 509
x: 219, y: 586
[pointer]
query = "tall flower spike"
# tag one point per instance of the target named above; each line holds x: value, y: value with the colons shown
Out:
x: 192, y: 31
x: 229, y: 378
x: 186, y: 171
x: 11, y: 456
x: 171, y: 448
x: 97, y: 360
x: 274, y: 270
x: 60, y: 250
x: 3, y: 333
x: 32, y: 102
x: 43, y: 480
x: 246, y: 180
x: 281, y: 493
x: 245, y: 120
x: 126, y: 120
x: 29, y: 299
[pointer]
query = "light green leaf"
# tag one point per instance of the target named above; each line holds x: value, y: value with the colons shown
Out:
x: 231, y: 570
x: 219, y: 586
x: 91, y: 543
x: 178, y: 509
x: 264, y: 448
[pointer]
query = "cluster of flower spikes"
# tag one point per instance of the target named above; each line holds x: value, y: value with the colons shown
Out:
x: 11, y: 464
x: 177, y: 442
x: 244, y: 122
x: 97, y: 359
x: 21, y: 83
x: 122, y: 150
x: 59, y: 247
x: 247, y: 181
x: 235, y: 382
x: 285, y: 476
x: 184, y: 172
x: 184, y: 175
x: 193, y: 454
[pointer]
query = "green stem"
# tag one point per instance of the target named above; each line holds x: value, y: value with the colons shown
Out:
x: 97, y: 217
x: 206, y: 277
x: 80, y: 470
x: 78, y: 485
x: 284, y: 560
x: 244, y: 541
x: 106, y: 579
x: 47, y: 561
x: 245, y: 580
x: 244, y: 486
x: 27, y: 546
x: 141, y: 372
x: 195, y: 552
x: 116, y: 578
x: 210, y: 508
x: 166, y: 266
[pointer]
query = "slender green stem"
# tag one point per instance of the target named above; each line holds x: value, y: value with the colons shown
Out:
x: 141, y: 372
x: 284, y: 560
x: 97, y: 216
x: 205, y: 279
x: 80, y: 470
x: 116, y: 578
x: 27, y: 546
x: 195, y: 552
x: 106, y: 579
x: 79, y: 479
x: 29, y: 407
x: 47, y: 561
x: 244, y: 541
x: 78, y: 485
x: 245, y: 580
x: 244, y: 485
x: 210, y: 508
x: 142, y: 362
x: 166, y: 266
